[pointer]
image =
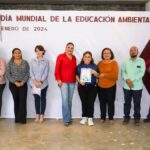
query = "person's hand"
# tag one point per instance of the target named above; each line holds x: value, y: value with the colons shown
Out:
x: 82, y: 83
x: 21, y: 83
x: 94, y: 72
x: 37, y: 83
x: 17, y: 84
x: 101, y: 75
x: 129, y: 83
x: 59, y: 83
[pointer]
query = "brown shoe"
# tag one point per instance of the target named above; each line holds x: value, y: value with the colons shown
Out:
x: 125, y: 121
x: 136, y: 122
x: 102, y: 121
x: 111, y: 122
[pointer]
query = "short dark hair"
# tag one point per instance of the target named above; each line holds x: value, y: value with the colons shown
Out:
x: 112, y: 54
x: 69, y: 43
x: 87, y: 52
x: 41, y: 48
x: 12, y: 58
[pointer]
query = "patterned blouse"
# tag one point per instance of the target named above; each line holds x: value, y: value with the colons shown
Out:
x: 16, y: 72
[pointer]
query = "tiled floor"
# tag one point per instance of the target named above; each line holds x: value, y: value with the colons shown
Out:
x: 53, y: 135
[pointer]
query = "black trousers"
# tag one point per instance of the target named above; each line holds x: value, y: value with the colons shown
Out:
x: 20, y: 99
x: 87, y: 95
x: 107, y: 98
x: 40, y: 101
x: 2, y: 86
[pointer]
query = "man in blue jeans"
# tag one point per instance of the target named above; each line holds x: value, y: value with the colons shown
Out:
x: 133, y: 71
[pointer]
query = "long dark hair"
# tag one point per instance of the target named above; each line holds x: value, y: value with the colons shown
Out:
x: 112, y: 54
x: 92, y: 60
x: 13, y: 51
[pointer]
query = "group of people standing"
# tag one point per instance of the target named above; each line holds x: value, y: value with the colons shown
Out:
x: 102, y: 80
x: 18, y: 72
x: 92, y: 79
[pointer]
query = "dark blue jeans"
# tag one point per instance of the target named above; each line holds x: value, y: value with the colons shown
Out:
x: 148, y: 116
x: 40, y: 101
x: 136, y: 96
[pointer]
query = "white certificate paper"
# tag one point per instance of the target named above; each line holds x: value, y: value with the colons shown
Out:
x: 85, y: 75
x: 36, y: 90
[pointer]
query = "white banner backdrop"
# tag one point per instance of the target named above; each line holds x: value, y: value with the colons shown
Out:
x: 88, y: 30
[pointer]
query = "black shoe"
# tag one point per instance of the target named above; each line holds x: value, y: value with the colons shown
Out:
x: 23, y: 122
x: 147, y: 120
x: 16, y: 121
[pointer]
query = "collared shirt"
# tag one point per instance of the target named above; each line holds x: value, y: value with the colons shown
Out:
x: 16, y: 72
x: 65, y: 68
x: 89, y: 66
x: 39, y: 70
x: 2, y: 70
x: 133, y: 70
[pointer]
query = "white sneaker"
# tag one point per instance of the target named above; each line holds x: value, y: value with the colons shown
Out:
x: 84, y: 120
x: 90, y: 122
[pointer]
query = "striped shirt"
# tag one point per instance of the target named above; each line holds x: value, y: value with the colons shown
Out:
x: 39, y: 70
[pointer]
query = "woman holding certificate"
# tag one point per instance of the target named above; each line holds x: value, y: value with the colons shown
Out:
x: 108, y: 75
x: 39, y: 70
x: 18, y: 74
x: 65, y: 75
x: 86, y: 74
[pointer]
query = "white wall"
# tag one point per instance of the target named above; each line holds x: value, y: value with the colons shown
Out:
x: 86, y: 36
